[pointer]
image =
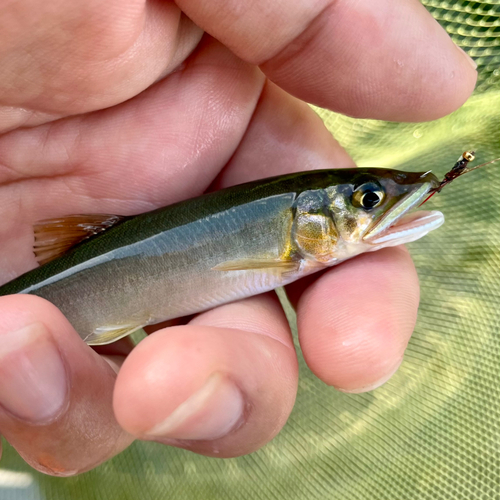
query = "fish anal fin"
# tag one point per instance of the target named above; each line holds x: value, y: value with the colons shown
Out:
x: 257, y: 265
x: 54, y: 237
x: 107, y: 334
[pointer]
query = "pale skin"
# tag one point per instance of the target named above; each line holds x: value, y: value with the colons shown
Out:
x: 85, y: 128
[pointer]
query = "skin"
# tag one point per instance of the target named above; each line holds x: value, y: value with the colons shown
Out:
x: 123, y: 107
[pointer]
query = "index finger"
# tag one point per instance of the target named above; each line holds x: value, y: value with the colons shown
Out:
x: 374, y: 58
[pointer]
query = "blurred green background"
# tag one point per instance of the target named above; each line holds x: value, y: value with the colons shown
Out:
x: 433, y: 431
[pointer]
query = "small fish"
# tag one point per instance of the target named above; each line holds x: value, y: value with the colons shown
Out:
x: 111, y: 275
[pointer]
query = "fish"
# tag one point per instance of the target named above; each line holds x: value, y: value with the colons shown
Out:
x: 111, y: 275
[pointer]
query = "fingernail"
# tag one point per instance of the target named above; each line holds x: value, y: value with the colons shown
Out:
x: 211, y: 413
x: 469, y: 58
x: 33, y: 383
x: 376, y: 384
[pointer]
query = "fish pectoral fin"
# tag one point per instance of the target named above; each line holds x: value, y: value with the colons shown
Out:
x: 107, y: 334
x: 258, y: 264
x: 54, y: 237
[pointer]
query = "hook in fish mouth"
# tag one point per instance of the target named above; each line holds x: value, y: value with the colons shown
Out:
x: 398, y: 226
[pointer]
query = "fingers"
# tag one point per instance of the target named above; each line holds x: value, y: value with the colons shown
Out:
x: 355, y: 320
x: 60, y: 58
x: 223, y: 385
x: 370, y: 59
x: 192, y: 121
x: 55, y: 392
x: 376, y: 59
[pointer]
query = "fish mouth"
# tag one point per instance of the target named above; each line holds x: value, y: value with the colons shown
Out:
x: 397, y: 226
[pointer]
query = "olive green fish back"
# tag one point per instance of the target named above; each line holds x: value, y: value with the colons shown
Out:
x: 433, y: 431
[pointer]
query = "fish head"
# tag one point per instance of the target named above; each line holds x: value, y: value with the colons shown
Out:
x: 374, y: 209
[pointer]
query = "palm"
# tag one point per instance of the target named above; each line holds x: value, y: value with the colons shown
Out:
x: 99, y: 142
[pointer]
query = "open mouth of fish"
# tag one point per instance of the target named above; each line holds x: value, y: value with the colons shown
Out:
x: 399, y: 226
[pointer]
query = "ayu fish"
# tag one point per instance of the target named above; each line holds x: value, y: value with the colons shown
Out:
x: 112, y: 275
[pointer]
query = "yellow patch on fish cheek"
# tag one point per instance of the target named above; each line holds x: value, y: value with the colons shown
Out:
x: 316, y: 236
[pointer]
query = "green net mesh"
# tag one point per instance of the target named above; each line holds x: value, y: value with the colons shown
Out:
x: 433, y: 431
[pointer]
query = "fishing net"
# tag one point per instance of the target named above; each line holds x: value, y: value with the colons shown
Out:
x: 433, y: 431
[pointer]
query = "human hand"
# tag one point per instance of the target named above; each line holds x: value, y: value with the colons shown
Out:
x: 85, y: 130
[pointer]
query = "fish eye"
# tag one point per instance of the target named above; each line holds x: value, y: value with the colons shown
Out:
x: 368, y: 196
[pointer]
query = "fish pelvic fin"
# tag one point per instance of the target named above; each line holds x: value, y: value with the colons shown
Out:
x: 54, y: 237
x: 107, y: 334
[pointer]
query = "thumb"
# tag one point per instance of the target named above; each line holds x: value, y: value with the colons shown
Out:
x: 55, y: 391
